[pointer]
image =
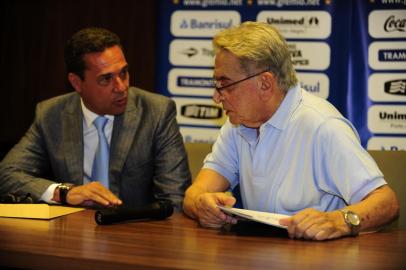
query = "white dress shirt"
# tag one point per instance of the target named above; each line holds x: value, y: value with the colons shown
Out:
x: 90, y: 142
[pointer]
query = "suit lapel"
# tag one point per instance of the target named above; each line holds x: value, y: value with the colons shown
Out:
x: 124, y: 129
x: 73, y: 146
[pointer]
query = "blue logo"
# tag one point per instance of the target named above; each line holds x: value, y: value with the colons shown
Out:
x: 392, y: 55
x: 201, y: 82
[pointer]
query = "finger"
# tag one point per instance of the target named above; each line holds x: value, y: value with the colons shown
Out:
x: 210, y: 224
x: 302, y: 229
x: 93, y: 191
x: 320, y: 235
x: 104, y: 193
x: 285, y: 221
x: 226, y: 199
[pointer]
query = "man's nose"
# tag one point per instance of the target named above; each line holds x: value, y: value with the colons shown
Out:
x: 217, y: 97
x: 120, y: 85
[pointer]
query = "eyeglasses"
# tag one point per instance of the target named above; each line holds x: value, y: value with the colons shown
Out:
x: 221, y: 88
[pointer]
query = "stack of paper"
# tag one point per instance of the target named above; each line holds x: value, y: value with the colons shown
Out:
x: 39, y: 211
x: 263, y: 217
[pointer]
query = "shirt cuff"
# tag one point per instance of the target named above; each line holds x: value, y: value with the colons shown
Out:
x: 365, y: 190
x: 49, y: 194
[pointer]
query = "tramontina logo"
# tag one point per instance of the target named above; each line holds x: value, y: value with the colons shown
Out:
x: 395, y: 55
x: 396, y: 87
x: 201, y: 111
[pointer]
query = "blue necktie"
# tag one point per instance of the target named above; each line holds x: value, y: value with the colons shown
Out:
x: 100, y: 170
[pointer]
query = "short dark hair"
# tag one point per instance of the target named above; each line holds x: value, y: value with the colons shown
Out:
x: 87, y: 40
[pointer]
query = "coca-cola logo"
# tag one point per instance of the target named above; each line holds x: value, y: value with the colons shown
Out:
x: 392, y: 24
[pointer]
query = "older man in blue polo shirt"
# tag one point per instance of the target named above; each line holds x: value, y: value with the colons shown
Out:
x: 290, y: 152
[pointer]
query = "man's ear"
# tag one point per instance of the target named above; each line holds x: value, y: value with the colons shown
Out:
x: 75, y: 81
x: 267, y: 80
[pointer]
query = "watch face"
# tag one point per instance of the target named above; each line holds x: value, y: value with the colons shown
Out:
x: 353, y: 218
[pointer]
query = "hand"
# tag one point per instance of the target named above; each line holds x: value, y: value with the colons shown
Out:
x: 91, y: 193
x: 311, y: 224
x: 209, y: 214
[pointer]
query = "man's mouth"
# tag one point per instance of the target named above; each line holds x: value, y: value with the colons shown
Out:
x: 121, y: 101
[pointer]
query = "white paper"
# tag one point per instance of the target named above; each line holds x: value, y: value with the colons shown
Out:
x: 263, y: 217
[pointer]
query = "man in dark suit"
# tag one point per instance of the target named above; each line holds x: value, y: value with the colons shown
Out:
x: 54, y: 161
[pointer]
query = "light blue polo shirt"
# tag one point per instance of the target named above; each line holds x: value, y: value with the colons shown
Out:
x: 307, y: 155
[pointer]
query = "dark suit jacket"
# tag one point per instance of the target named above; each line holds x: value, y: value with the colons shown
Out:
x: 147, y: 155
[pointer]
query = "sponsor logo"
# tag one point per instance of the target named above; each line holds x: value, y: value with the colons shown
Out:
x: 297, y: 56
x: 396, y: 87
x: 199, y: 135
x: 387, y: 143
x: 387, y: 55
x: 392, y: 116
x: 392, y: 24
x: 387, y: 87
x: 306, y: 22
x: 392, y: 55
x: 186, y: 23
x: 310, y: 55
x: 195, y: 82
x: 387, y: 119
x: 299, y: 24
x: 201, y: 111
x: 191, y: 82
x: 311, y: 88
x: 315, y: 83
x: 197, y: 24
x: 389, y: 23
x: 190, y: 52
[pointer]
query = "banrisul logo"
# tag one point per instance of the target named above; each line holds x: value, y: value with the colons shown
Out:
x: 396, y: 87
x: 201, y: 111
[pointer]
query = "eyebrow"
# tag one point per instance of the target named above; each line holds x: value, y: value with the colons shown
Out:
x: 125, y: 68
x: 221, y: 78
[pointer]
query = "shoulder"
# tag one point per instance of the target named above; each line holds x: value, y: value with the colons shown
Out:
x: 314, y: 112
x: 69, y: 101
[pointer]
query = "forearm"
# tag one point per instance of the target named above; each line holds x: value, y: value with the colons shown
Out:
x: 378, y: 209
x: 17, y: 181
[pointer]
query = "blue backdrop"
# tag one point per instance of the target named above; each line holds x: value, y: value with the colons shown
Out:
x: 352, y: 53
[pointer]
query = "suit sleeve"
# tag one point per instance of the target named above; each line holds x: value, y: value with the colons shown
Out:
x: 22, y: 169
x: 172, y: 174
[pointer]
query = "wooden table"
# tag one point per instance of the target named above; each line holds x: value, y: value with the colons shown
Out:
x: 76, y: 242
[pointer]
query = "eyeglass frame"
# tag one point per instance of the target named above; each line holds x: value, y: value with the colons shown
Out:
x: 222, y: 88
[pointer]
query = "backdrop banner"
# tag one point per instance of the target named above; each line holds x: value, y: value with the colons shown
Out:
x: 352, y: 53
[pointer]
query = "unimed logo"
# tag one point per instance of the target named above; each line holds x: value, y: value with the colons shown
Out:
x: 201, y: 111
x: 396, y: 87
x: 392, y: 116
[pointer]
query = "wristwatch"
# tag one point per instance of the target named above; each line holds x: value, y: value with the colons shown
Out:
x: 352, y: 220
x: 63, y: 192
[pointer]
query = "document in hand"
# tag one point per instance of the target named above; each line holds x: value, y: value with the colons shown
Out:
x: 262, y: 217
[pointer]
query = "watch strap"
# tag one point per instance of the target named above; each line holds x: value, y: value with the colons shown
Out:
x: 63, y: 192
